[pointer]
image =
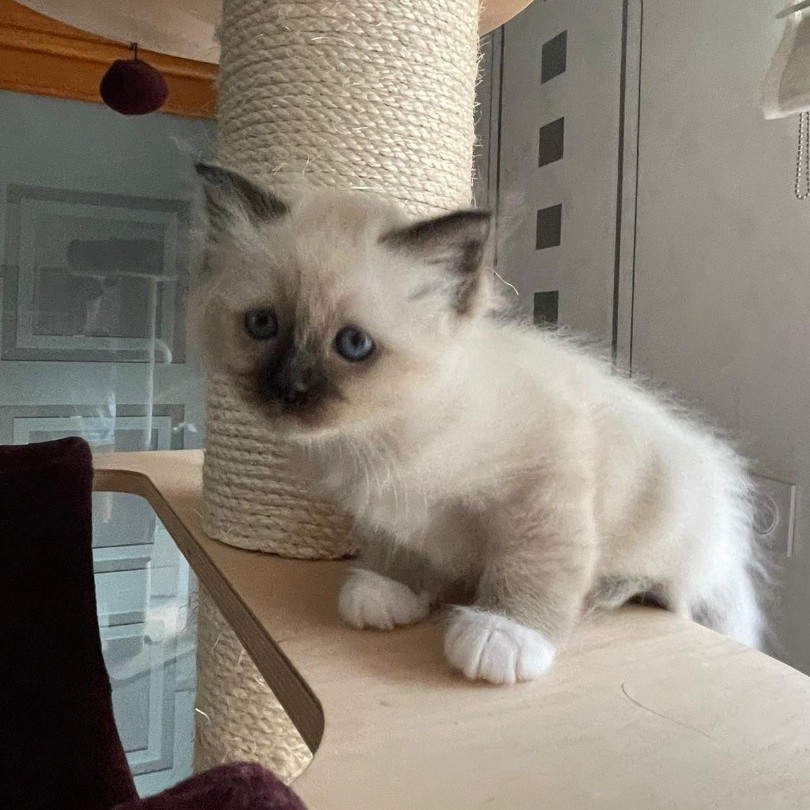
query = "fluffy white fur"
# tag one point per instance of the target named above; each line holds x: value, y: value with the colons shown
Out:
x: 485, y: 646
x: 487, y: 462
x: 372, y: 600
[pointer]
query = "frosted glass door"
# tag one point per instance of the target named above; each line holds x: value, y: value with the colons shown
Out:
x: 94, y: 226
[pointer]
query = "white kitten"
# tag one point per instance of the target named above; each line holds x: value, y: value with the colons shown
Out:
x: 488, y: 464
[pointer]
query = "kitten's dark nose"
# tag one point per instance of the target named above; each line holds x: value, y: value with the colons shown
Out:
x: 298, y: 382
x: 303, y: 379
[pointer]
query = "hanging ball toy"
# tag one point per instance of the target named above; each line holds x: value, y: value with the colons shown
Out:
x: 133, y: 87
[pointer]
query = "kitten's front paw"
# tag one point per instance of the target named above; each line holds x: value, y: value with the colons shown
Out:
x: 368, y: 599
x: 493, y: 648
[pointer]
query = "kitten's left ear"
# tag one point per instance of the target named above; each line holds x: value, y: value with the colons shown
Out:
x: 456, y: 242
x: 227, y: 192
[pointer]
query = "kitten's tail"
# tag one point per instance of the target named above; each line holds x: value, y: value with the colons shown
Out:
x: 733, y: 609
x: 733, y: 603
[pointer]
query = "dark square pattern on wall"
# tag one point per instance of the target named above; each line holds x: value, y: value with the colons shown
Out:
x: 549, y: 227
x: 552, y: 142
x: 546, y: 305
x: 554, y: 57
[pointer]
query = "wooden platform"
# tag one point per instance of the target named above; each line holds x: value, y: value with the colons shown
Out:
x: 641, y: 710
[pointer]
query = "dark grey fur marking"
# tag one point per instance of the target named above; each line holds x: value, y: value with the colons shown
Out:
x: 294, y: 376
x: 225, y: 188
x: 703, y: 614
x: 456, y: 241
x: 412, y: 568
x: 614, y: 591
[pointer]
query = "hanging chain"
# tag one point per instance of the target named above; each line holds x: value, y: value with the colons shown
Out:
x: 803, y: 158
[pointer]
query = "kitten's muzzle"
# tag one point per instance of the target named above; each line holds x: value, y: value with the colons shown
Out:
x: 300, y: 381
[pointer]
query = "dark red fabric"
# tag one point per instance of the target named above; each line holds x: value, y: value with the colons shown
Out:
x: 59, y: 746
x: 241, y: 786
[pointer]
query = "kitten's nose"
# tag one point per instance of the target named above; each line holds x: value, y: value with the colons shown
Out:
x: 298, y: 382
x: 303, y: 379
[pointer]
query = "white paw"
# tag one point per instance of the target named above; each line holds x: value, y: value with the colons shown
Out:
x: 368, y: 599
x: 493, y: 648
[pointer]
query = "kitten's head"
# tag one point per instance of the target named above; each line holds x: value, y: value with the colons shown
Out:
x: 331, y: 311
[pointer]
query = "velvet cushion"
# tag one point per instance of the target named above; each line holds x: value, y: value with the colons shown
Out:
x: 59, y: 746
x: 240, y: 786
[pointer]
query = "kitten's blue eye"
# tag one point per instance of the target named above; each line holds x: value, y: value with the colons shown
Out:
x: 353, y: 345
x: 261, y: 324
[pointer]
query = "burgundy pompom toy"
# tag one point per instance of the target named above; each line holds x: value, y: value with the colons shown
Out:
x: 133, y: 87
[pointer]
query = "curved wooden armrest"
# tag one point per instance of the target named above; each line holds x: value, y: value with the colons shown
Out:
x: 642, y: 709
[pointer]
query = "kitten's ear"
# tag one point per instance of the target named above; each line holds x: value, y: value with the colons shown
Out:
x: 455, y: 242
x: 227, y: 193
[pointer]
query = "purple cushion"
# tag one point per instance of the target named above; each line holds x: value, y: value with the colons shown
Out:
x: 241, y: 786
x: 59, y: 746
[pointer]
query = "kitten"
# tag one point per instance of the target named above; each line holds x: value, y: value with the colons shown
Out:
x: 487, y: 463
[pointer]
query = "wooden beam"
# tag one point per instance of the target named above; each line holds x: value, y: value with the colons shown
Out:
x: 42, y: 56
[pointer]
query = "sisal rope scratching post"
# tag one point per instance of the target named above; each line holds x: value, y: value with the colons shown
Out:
x: 238, y: 719
x: 360, y: 94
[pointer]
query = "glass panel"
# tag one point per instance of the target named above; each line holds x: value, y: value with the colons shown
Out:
x: 94, y: 264
x: 145, y: 596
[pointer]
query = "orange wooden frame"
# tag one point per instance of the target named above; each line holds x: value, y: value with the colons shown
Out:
x: 45, y: 57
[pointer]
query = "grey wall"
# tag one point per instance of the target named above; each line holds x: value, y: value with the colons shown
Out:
x: 722, y: 274
x: 557, y: 170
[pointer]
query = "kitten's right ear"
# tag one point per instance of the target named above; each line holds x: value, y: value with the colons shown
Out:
x: 455, y: 242
x: 228, y: 193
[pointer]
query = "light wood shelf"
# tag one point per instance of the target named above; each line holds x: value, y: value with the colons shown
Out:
x: 641, y: 710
